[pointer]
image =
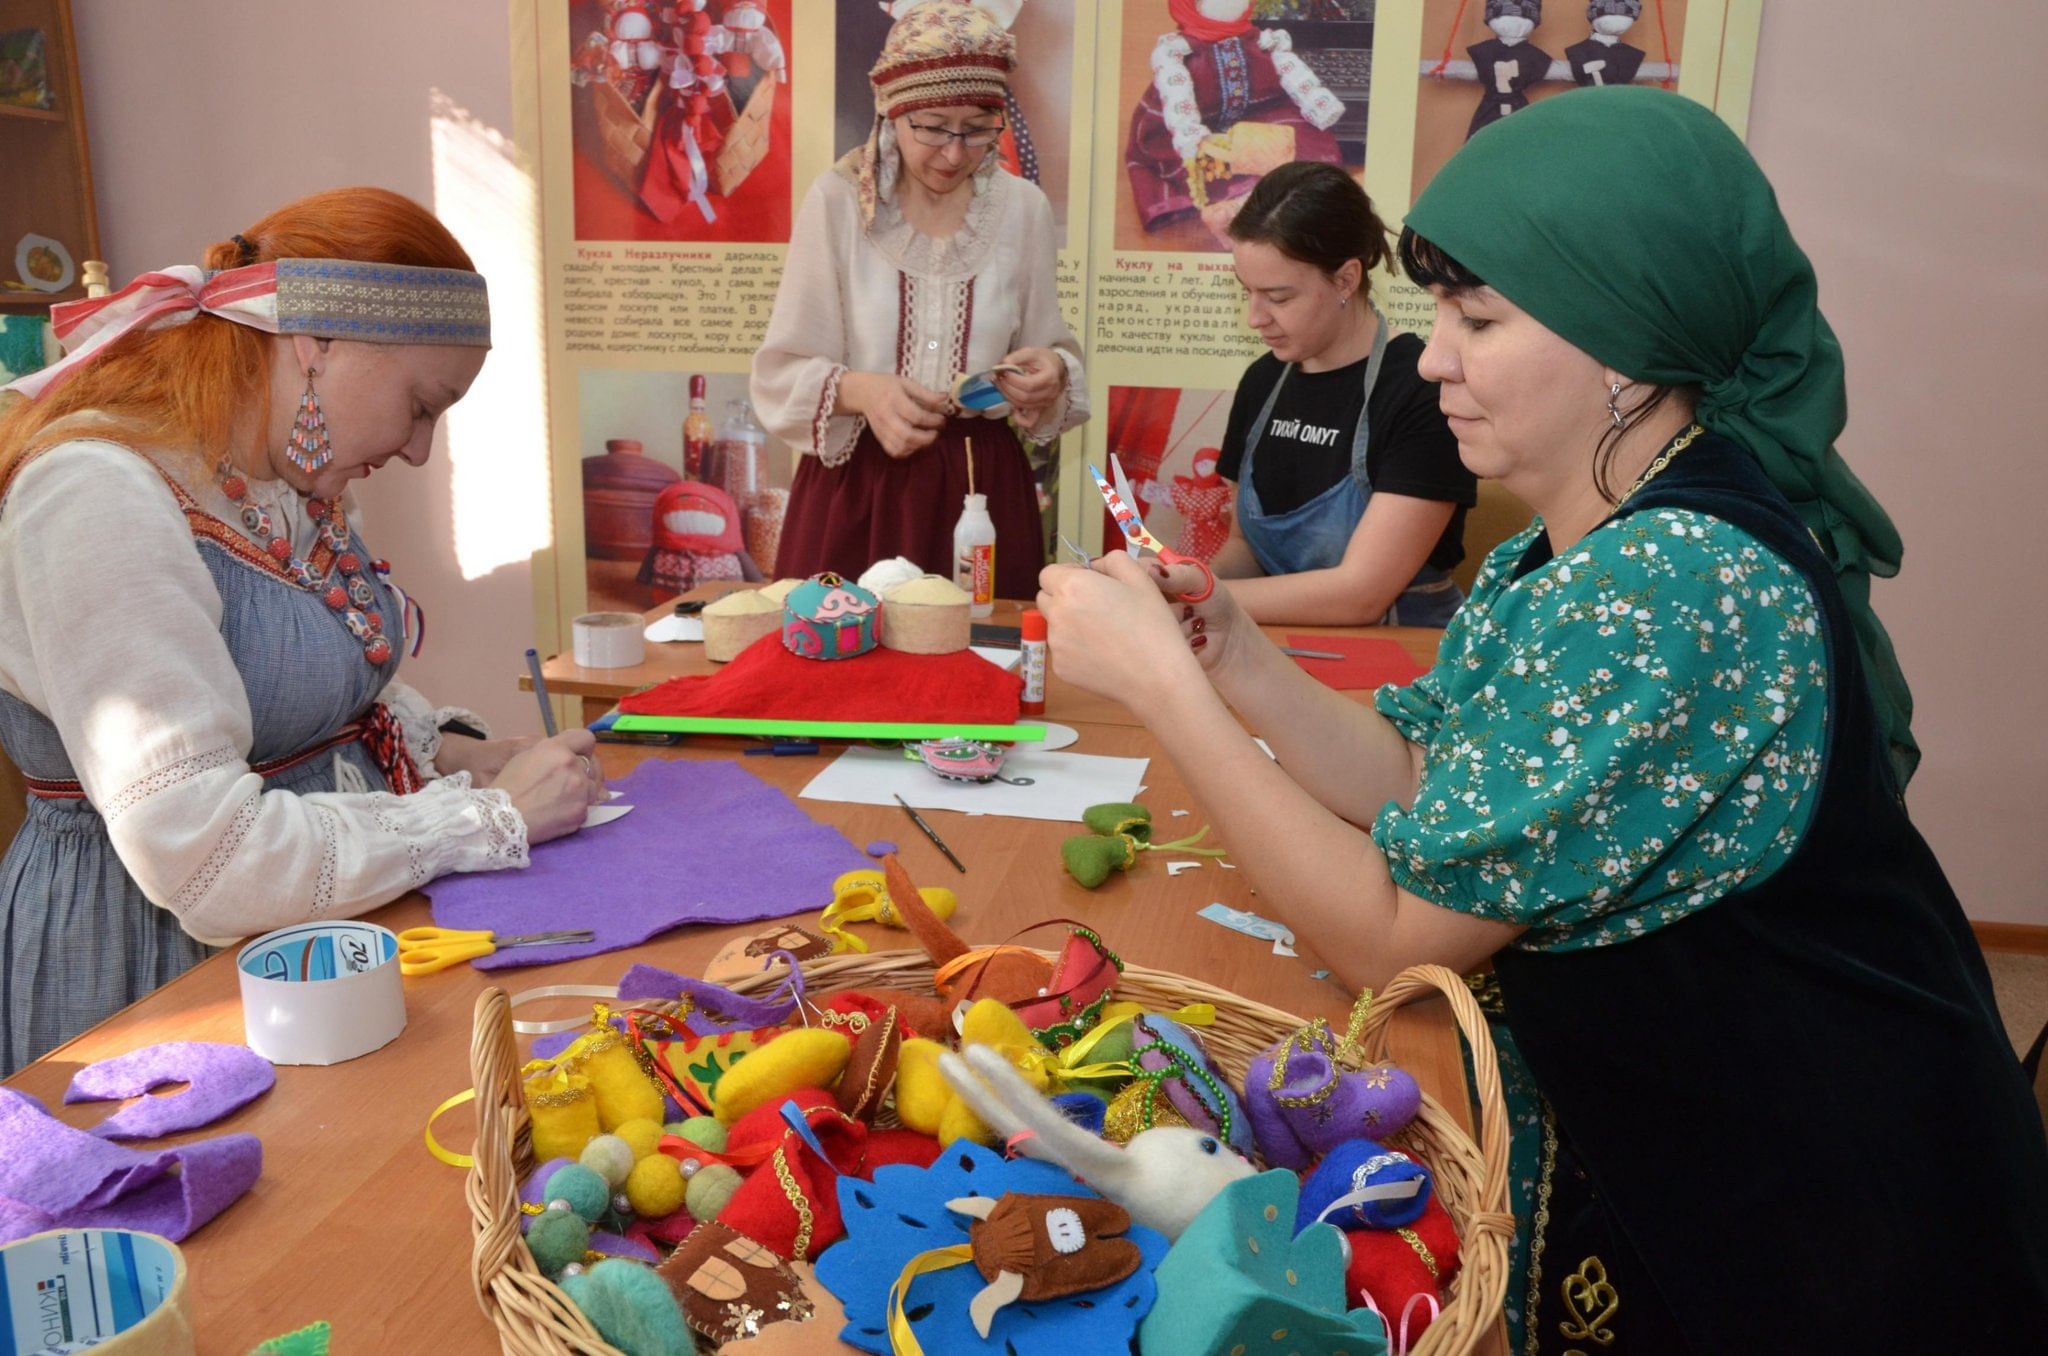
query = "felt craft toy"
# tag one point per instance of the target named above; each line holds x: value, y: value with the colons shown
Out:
x: 563, y: 1113
x: 803, y: 1058
x: 926, y: 1102
x: 871, y: 1070
x: 862, y: 896
x: 1388, y: 1267
x: 789, y: 1201
x: 738, y: 620
x: 696, y: 1064
x: 963, y: 760
x: 622, y: 1089
x: 556, y: 1238
x: 1171, y: 1060
x: 1303, y: 1103
x: 744, y: 957
x: 850, y: 1013
x: 1507, y: 63
x: 1117, y: 833
x: 927, y: 615
x: 1364, y: 1185
x: 1240, y: 1279
x: 828, y: 618
x: 655, y: 1187
x: 729, y: 1286
x: 696, y: 539
x: 768, y: 682
x: 884, y: 575
x: 609, y: 1157
x: 812, y: 1336
x: 907, y: 1256
x: 1043, y: 1247
x: 221, y: 1078
x: 629, y: 1306
x: 1164, y: 1176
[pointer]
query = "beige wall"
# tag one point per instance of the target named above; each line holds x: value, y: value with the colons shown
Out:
x: 1906, y: 148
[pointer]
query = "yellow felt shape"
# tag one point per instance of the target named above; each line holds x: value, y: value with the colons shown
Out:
x: 922, y: 1093
x: 808, y: 1057
x: 958, y: 1122
x: 564, y: 1115
x: 655, y: 1187
x: 862, y: 896
x: 623, y: 1090
x: 642, y: 1137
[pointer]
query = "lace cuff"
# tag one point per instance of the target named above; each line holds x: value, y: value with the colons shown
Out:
x: 833, y: 435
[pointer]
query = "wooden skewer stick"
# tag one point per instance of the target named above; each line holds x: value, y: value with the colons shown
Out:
x: 970, y: 466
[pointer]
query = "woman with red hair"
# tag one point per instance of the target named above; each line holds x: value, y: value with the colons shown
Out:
x: 198, y: 653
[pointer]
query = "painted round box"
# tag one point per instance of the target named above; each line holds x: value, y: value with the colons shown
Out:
x: 827, y: 618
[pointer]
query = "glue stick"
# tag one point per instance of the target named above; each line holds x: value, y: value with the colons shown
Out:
x: 1033, y: 646
x: 974, y: 555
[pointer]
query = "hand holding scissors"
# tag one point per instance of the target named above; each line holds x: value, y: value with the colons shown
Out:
x: 1123, y: 507
x: 424, y: 951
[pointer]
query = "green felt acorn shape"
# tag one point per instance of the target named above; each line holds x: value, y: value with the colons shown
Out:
x: 1121, y: 831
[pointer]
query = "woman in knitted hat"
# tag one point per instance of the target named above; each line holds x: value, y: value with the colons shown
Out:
x: 198, y: 653
x: 1656, y: 776
x: 916, y: 260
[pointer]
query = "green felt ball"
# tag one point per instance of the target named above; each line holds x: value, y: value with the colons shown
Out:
x: 1119, y: 817
x: 631, y: 1307
x: 710, y: 1190
x: 557, y: 1238
x: 610, y: 1158
x: 586, y: 1191
x: 706, y: 1132
x: 1091, y: 860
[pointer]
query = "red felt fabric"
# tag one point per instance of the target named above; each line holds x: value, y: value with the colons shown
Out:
x: 767, y: 682
x: 762, y: 1208
x: 1366, y: 664
x: 889, y: 1147
x: 1386, y: 1266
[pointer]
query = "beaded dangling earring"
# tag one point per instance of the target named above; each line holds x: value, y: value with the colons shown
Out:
x: 308, y: 447
x: 1613, y: 403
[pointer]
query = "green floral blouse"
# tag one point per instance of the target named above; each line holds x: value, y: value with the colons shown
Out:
x: 1617, y: 739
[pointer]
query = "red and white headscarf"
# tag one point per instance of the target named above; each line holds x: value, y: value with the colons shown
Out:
x: 325, y: 298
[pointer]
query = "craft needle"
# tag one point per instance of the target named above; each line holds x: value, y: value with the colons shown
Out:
x: 1310, y: 654
x: 540, y: 692
x: 931, y: 833
x: 1079, y: 554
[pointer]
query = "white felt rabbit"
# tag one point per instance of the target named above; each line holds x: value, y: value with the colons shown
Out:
x: 1164, y: 1176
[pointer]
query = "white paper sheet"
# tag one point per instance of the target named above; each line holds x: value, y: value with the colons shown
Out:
x: 1063, y: 784
x: 998, y: 656
x: 604, y: 814
x: 673, y: 627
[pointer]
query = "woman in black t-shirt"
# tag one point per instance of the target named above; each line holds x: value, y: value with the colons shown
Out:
x: 1351, y: 498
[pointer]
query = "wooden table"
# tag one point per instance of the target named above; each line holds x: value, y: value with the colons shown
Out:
x: 601, y: 688
x: 355, y: 1223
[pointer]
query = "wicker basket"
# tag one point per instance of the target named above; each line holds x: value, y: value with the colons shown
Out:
x: 534, y: 1318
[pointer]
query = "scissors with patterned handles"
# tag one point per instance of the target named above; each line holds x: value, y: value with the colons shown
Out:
x: 424, y: 951
x: 1123, y: 507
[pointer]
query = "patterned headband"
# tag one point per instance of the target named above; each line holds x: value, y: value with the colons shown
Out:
x: 323, y: 298
x: 941, y: 54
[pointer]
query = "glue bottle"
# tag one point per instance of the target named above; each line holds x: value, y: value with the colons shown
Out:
x: 974, y: 555
x: 1033, y: 646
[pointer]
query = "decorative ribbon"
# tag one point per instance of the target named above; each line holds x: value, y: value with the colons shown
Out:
x: 1191, y: 21
x: 1071, y: 1064
x: 902, y: 1340
x: 1386, y: 1191
x: 384, y: 741
x: 1402, y: 1346
x: 434, y: 1147
x: 700, y: 178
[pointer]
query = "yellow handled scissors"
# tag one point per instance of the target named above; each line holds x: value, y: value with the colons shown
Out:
x: 423, y: 951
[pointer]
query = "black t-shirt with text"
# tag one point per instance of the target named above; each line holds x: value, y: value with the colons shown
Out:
x: 1307, y: 443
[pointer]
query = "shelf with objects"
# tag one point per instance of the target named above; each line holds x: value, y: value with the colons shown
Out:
x: 48, y: 225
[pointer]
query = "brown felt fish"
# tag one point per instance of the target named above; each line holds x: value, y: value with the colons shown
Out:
x: 1033, y: 1247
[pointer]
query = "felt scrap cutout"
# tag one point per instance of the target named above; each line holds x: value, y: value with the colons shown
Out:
x: 77, y: 1180
x: 808, y: 1338
x: 620, y: 1245
x: 903, y: 1214
x: 311, y: 1340
x: 710, y: 1007
x: 767, y: 682
x: 1034, y: 1247
x: 1367, y: 663
x: 1239, y: 1274
x: 730, y: 1287
x: 750, y: 853
x: 223, y: 1078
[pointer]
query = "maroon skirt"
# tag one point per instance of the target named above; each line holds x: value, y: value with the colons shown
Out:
x: 874, y: 506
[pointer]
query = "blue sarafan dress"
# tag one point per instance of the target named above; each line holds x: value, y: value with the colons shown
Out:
x: 80, y: 936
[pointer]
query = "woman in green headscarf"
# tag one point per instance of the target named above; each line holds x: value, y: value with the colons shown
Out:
x: 1654, y: 775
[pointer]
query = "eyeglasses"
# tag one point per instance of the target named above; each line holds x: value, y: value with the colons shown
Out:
x: 974, y: 138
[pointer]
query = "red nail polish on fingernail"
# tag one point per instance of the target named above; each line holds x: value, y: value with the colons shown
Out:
x: 1198, y: 642
x: 1187, y: 614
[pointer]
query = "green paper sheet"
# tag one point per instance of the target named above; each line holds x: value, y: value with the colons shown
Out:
x: 832, y: 729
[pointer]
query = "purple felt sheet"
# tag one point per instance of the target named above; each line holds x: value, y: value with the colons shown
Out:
x: 706, y: 843
x: 71, y: 1179
x: 223, y: 1078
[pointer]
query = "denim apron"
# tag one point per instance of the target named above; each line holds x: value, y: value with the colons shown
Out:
x: 1313, y: 536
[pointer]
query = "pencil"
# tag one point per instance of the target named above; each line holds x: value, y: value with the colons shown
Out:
x: 937, y: 841
x: 1310, y: 654
x: 540, y: 692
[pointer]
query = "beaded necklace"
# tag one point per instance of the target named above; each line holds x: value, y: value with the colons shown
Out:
x: 347, y: 592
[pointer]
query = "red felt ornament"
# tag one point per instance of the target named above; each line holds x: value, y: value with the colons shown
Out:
x: 1391, y: 1265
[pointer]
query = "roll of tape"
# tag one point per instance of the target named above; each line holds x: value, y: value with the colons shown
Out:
x: 110, y: 1291
x: 609, y: 640
x: 320, y: 993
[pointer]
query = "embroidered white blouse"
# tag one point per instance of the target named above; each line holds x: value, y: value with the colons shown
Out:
x: 126, y: 658
x: 890, y: 299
